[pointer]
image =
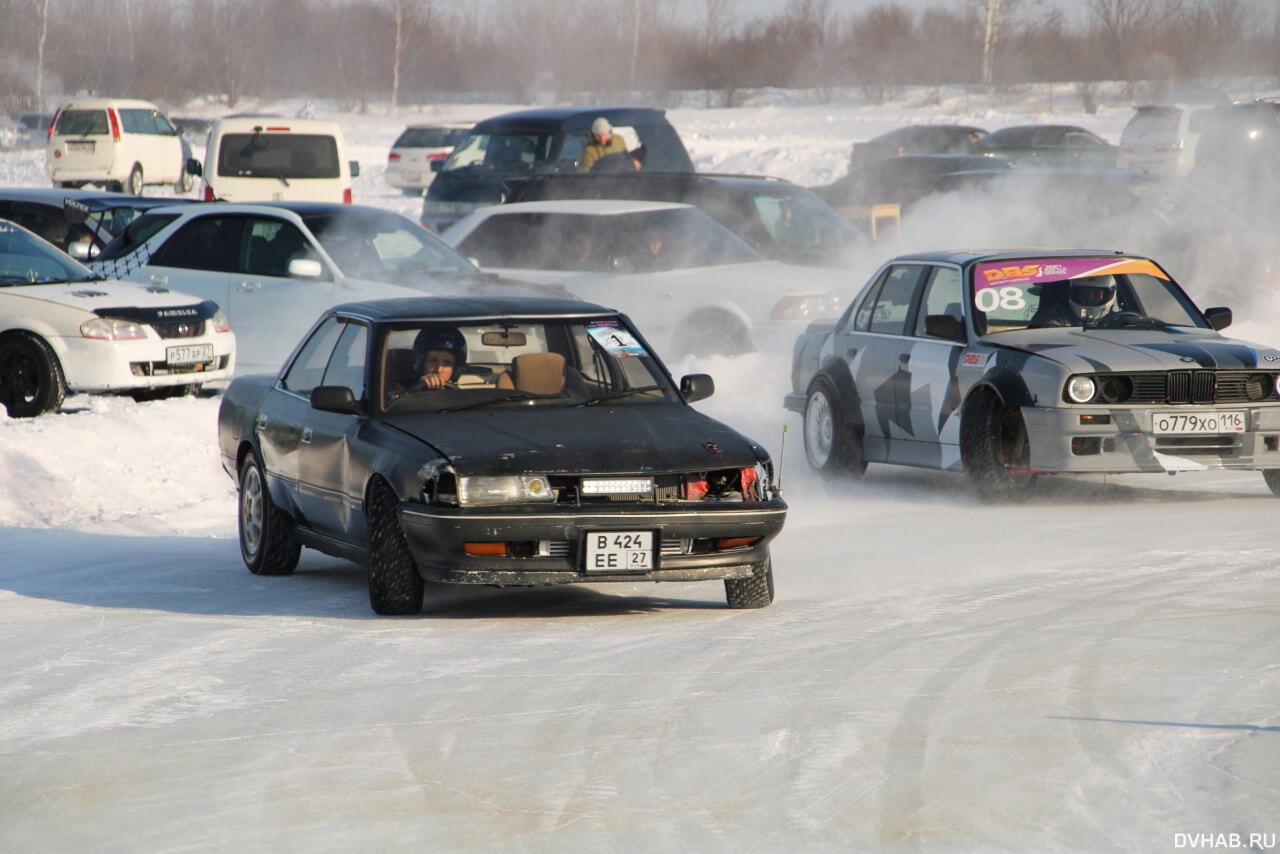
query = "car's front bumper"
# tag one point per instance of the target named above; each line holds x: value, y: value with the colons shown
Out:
x: 1061, y: 443
x: 684, y: 541
x: 93, y: 365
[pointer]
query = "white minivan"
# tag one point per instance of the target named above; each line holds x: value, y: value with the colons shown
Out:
x: 120, y: 143
x: 274, y: 159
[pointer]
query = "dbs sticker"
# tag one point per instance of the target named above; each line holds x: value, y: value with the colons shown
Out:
x: 999, y: 273
x: 974, y: 360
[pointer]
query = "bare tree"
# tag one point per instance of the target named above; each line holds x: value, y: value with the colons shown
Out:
x: 1123, y: 27
x: 717, y: 18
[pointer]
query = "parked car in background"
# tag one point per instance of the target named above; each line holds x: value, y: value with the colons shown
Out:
x: 692, y: 282
x: 275, y: 267
x: 1238, y: 157
x: 192, y: 127
x: 122, y: 144
x: 1160, y: 138
x: 64, y: 330
x: 416, y: 148
x: 257, y: 158
x: 899, y: 180
x: 781, y: 220
x: 614, y: 478
x: 1010, y: 365
x: 1060, y: 146
x: 35, y: 127
x: 12, y: 133
x: 529, y: 141
x: 79, y: 222
x: 919, y: 139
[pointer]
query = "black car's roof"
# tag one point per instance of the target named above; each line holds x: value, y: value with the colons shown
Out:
x: 93, y: 199
x: 457, y: 308
x: 567, y: 118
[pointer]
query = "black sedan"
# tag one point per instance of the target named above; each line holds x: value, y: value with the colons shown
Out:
x: 500, y: 441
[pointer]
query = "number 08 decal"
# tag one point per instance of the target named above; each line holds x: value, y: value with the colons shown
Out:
x: 1008, y: 298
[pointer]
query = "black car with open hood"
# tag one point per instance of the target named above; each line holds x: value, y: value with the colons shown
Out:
x: 504, y: 441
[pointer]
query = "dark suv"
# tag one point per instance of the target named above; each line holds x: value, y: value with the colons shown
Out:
x: 534, y: 141
x: 781, y: 220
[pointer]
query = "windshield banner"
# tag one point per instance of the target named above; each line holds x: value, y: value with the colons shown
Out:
x: 1057, y: 269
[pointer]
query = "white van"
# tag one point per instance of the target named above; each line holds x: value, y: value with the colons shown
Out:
x: 274, y: 159
x: 119, y: 143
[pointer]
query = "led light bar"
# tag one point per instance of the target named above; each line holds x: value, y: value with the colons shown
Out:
x: 617, y: 485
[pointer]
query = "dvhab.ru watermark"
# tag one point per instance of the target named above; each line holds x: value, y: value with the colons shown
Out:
x: 1212, y: 841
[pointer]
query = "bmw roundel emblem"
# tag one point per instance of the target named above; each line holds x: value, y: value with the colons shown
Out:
x: 1188, y: 358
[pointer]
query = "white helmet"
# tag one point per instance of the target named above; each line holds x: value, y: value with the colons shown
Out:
x: 1093, y: 297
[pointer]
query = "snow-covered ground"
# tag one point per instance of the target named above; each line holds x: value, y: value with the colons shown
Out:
x: 1095, y: 670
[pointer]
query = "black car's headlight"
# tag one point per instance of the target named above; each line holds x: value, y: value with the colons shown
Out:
x: 480, y: 490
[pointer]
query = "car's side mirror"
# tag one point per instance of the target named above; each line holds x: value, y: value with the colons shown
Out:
x: 697, y: 387
x: 305, y: 268
x: 355, y: 168
x: 944, y: 326
x: 335, y: 398
x: 1219, y: 317
x: 194, y: 167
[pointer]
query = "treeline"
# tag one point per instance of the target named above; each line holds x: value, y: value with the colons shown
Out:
x: 414, y: 51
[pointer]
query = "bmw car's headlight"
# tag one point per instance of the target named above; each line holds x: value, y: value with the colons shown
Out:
x: 112, y: 329
x: 504, y: 489
x: 1081, y: 389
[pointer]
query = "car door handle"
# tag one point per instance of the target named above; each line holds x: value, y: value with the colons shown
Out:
x: 247, y: 286
x: 260, y: 422
x: 306, y: 435
x: 158, y: 279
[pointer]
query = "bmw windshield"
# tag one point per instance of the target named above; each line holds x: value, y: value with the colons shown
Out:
x: 1087, y: 293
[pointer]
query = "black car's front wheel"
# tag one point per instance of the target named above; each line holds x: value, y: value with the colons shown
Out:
x: 395, y: 587
x: 994, y: 449
x: 830, y: 445
x: 754, y: 591
x: 266, y: 539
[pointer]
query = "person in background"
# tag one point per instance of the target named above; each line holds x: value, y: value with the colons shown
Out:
x: 621, y: 161
x: 603, y: 141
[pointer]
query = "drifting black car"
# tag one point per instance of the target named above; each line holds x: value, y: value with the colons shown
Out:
x: 559, y: 450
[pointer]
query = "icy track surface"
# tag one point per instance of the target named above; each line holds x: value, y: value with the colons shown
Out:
x: 1096, y: 670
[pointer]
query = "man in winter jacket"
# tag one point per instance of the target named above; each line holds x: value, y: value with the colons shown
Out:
x: 603, y: 141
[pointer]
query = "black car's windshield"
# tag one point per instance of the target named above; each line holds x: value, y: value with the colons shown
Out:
x: 445, y: 367
x: 26, y: 259
x: 501, y: 152
x: 383, y: 246
x: 1088, y: 293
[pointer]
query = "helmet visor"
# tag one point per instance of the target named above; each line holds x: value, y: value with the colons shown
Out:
x: 1087, y: 294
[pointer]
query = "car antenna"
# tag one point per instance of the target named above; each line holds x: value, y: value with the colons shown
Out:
x: 782, y: 456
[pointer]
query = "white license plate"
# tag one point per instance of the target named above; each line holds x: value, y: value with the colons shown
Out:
x: 1176, y: 423
x: 188, y: 354
x: 619, y: 551
x: 81, y: 147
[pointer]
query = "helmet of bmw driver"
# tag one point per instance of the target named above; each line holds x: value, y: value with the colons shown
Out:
x: 1093, y: 297
x: 443, y: 339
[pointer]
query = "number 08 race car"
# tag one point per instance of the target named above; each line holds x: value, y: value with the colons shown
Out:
x: 1009, y: 365
x: 494, y: 441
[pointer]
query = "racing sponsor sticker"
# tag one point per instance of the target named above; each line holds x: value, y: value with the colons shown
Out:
x: 1021, y: 272
x: 971, y: 359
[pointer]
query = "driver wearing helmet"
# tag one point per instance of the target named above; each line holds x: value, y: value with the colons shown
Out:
x: 1092, y: 298
x: 438, y: 356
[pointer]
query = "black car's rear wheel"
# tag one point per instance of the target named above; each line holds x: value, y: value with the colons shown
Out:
x: 995, y: 450
x: 395, y: 587
x: 830, y: 445
x: 31, y: 381
x: 755, y: 591
x: 266, y: 538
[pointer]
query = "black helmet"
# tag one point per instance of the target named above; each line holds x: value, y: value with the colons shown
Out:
x: 441, y: 338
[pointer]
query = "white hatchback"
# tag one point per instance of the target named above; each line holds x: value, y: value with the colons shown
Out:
x: 62, y: 330
x: 119, y: 143
x: 418, y: 151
